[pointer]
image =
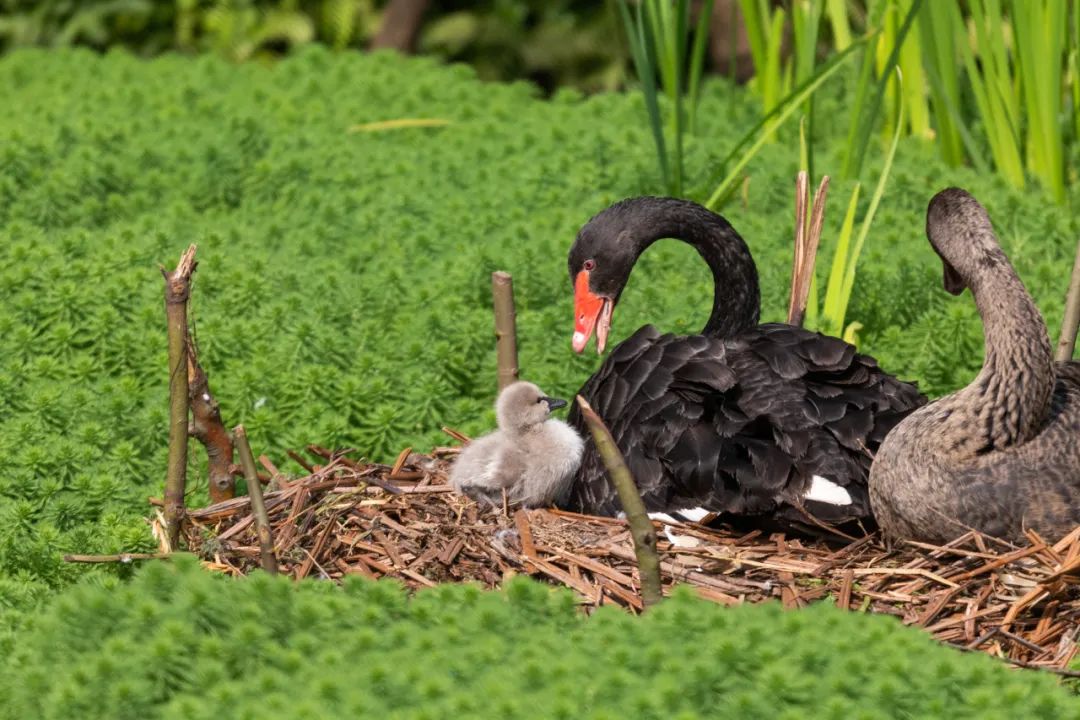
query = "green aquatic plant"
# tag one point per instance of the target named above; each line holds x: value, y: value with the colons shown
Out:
x: 177, y: 642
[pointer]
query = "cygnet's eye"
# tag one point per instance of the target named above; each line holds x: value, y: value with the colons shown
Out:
x: 539, y: 399
x: 589, y: 264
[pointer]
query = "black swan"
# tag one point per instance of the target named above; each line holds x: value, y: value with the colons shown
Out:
x: 744, y: 418
x: 531, y: 456
x: 1002, y: 454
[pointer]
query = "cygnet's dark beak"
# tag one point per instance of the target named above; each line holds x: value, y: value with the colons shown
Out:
x: 554, y: 403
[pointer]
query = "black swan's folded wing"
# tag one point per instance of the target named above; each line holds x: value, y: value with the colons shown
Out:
x: 739, y: 425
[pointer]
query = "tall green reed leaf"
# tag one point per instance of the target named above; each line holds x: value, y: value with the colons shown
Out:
x: 864, y: 117
x: 939, y: 30
x: 991, y: 85
x: 697, y: 60
x: 841, y: 26
x: 806, y: 22
x: 765, y: 33
x: 1040, y: 29
x: 658, y: 32
x: 838, y: 297
x: 745, y: 150
x: 913, y: 91
x: 641, y: 50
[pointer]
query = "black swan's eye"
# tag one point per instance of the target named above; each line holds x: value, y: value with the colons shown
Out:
x: 589, y: 264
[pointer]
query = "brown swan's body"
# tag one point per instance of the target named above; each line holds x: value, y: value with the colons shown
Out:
x: 1002, y: 454
x: 748, y: 419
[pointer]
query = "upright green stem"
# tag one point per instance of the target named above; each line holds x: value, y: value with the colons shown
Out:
x: 258, y: 508
x: 641, y: 527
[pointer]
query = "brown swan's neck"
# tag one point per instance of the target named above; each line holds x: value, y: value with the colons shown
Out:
x: 1009, y: 400
x: 736, y: 295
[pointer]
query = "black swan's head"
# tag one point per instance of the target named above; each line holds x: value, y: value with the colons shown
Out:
x: 521, y: 405
x: 600, y: 261
x: 608, y: 246
x: 960, y: 231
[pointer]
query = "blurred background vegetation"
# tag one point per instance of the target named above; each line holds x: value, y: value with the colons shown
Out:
x: 990, y: 83
x: 553, y: 42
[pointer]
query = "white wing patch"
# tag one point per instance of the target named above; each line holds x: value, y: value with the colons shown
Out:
x: 826, y: 491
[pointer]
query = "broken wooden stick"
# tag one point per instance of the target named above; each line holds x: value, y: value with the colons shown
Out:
x: 207, y: 428
x: 502, y: 289
x: 177, y: 292
x: 267, y: 558
x: 807, y: 240
x: 1067, y: 342
x: 641, y: 528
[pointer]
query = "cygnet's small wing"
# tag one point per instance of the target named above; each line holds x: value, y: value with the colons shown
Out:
x: 477, y: 464
x: 550, y: 458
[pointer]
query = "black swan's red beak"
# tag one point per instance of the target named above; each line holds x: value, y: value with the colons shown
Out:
x: 591, y: 312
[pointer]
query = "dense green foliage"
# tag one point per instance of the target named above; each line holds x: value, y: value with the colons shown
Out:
x: 343, y: 295
x: 179, y: 643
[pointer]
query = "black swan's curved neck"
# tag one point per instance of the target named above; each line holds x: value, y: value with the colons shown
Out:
x: 736, y: 295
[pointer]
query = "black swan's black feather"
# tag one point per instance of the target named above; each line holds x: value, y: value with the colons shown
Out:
x: 720, y: 423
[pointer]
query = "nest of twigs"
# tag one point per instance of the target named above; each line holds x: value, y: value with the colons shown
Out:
x: 1021, y: 604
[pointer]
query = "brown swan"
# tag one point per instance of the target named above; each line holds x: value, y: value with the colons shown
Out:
x: 747, y: 419
x: 1002, y: 454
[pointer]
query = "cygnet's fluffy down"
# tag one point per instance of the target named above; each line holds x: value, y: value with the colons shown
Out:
x: 531, y: 456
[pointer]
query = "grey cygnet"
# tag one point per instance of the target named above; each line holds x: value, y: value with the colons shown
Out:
x: 532, y: 456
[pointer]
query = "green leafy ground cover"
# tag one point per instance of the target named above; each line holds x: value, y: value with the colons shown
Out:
x: 343, y: 295
x: 180, y: 643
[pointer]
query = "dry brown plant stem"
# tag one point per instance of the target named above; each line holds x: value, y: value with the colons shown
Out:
x: 502, y: 290
x: 177, y: 292
x: 262, y: 520
x: 807, y: 240
x: 641, y: 528
x: 1067, y: 342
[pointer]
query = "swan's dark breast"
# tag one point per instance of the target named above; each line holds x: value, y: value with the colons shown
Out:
x: 740, y: 424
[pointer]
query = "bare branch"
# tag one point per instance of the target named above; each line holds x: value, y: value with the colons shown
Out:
x: 208, y: 428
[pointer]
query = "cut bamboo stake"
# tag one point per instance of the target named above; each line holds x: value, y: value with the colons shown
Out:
x: 807, y: 240
x: 502, y: 289
x: 262, y: 520
x: 1067, y: 342
x: 207, y: 428
x: 177, y: 291
x: 641, y: 528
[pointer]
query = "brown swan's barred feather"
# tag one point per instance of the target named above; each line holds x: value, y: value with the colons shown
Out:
x: 738, y: 424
